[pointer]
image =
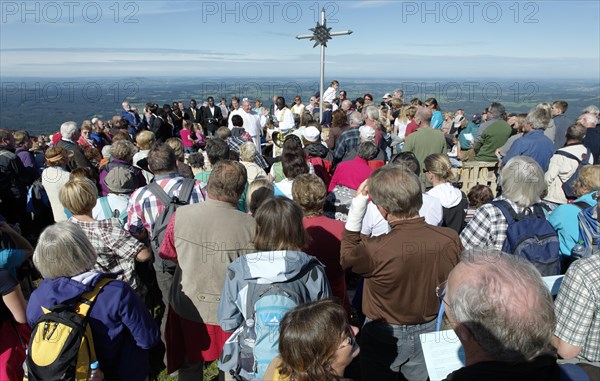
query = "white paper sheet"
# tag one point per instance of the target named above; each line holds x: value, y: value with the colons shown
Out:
x: 468, y: 136
x: 443, y: 353
x: 553, y: 283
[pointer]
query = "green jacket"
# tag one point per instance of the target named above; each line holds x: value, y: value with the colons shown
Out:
x: 492, y: 138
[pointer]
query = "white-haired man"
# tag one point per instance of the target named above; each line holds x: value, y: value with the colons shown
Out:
x: 533, y: 143
x: 504, y: 317
x: 253, y: 123
x: 131, y: 116
x: 70, y: 132
x: 592, y: 137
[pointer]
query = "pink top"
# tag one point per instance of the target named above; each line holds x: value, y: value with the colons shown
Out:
x: 185, y: 136
x: 351, y: 173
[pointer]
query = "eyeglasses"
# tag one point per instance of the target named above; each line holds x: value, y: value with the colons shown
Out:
x: 350, y: 339
x: 440, y: 291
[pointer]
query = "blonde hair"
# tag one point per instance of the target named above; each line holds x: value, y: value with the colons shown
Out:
x: 588, y: 180
x: 145, y: 139
x: 177, y: 145
x: 79, y: 195
x: 248, y: 152
x: 439, y: 165
x: 259, y: 182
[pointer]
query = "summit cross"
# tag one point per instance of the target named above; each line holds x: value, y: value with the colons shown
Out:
x: 322, y: 34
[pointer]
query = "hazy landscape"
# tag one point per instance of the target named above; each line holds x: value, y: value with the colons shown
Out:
x: 40, y: 105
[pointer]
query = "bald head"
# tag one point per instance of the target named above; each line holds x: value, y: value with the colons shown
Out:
x: 423, y: 115
x: 346, y: 104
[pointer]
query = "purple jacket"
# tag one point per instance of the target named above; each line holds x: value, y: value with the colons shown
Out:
x: 26, y: 157
x: 122, y: 327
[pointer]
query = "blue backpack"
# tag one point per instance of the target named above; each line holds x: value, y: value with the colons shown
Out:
x: 572, y: 372
x: 530, y: 236
x: 267, y: 304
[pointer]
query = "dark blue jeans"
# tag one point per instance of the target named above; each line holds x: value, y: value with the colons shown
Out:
x: 388, y: 349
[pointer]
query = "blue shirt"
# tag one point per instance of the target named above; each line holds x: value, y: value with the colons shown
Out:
x: 535, y: 145
x: 564, y: 220
x: 437, y: 119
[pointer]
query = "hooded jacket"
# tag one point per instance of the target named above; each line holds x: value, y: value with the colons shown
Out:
x: 454, y: 203
x: 302, y: 273
x: 121, y: 325
x: 269, y: 267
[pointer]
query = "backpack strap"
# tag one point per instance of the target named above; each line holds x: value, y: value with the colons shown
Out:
x: 507, y: 210
x: 160, y: 194
x: 88, y: 299
x: 572, y: 372
x: 586, y: 159
x: 105, y: 207
x: 539, y: 208
x: 187, y: 187
x: 568, y: 155
x: 581, y: 204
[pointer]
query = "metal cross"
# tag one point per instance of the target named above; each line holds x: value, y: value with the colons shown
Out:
x: 322, y: 34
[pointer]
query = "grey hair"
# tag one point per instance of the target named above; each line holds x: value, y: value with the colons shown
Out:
x: 589, y: 117
x: 356, y: 119
x: 63, y: 250
x: 539, y: 117
x: 505, y: 305
x: 591, y: 110
x: 522, y: 181
x: 371, y: 112
x: 248, y: 152
x: 367, y: 150
x: 497, y: 109
x: 68, y: 129
x: 122, y: 150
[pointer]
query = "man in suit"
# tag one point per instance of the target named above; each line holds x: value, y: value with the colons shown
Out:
x: 211, y: 116
x: 161, y: 128
x: 192, y: 113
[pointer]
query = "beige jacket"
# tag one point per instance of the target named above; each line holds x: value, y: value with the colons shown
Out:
x: 561, y: 169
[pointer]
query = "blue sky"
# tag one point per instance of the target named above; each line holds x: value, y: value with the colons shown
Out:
x: 391, y: 39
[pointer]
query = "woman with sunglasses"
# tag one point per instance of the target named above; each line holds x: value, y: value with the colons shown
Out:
x: 316, y: 343
x: 437, y: 119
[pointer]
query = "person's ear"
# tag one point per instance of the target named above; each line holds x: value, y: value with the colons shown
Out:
x: 464, y: 333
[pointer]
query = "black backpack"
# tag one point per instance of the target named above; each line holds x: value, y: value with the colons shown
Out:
x: 162, y: 220
x: 569, y: 185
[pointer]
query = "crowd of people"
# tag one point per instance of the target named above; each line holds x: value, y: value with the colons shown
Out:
x: 265, y: 237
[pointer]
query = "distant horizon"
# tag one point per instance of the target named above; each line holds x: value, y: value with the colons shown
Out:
x: 303, y: 78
